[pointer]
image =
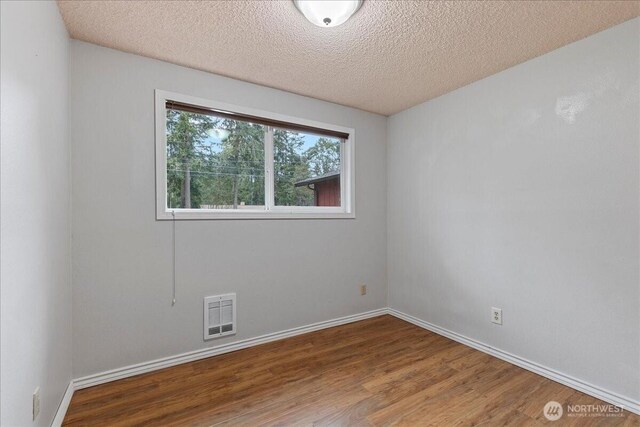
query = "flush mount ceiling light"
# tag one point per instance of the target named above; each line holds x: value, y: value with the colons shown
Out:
x: 328, y: 13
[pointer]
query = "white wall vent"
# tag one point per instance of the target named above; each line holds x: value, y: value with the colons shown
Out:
x: 219, y: 316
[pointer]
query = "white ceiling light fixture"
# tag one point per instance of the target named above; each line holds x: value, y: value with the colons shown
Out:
x: 328, y: 13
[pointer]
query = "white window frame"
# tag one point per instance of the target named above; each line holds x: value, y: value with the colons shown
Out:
x: 347, y: 168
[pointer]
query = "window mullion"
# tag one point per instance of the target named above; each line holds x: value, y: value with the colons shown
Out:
x: 269, y: 197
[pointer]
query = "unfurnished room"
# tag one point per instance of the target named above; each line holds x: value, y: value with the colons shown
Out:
x: 319, y: 213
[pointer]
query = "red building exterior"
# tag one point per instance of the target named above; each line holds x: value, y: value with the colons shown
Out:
x: 326, y: 188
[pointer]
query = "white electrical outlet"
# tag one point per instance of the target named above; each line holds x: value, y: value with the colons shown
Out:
x: 36, y: 403
x: 496, y: 315
x: 363, y: 289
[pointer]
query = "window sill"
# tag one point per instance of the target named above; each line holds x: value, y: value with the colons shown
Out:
x: 203, y: 214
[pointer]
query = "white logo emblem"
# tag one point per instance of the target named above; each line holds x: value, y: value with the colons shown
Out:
x: 553, y: 410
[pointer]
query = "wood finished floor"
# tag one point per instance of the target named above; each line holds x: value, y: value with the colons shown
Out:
x: 380, y: 371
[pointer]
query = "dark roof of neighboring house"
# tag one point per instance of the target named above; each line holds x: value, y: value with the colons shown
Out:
x: 326, y: 177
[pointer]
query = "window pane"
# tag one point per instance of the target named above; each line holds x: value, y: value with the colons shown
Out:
x: 214, y: 163
x: 307, y: 169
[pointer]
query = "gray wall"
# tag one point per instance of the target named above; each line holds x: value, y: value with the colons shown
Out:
x: 520, y: 191
x: 122, y: 256
x: 35, y: 211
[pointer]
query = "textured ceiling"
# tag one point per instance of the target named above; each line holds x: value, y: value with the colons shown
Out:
x: 389, y: 56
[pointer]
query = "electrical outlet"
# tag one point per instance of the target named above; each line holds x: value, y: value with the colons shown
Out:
x: 363, y: 289
x: 496, y: 315
x: 36, y: 403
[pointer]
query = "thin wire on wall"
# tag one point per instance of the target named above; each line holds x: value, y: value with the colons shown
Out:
x: 173, y: 223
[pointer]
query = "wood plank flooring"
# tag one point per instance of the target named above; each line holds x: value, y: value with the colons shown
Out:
x: 377, y: 372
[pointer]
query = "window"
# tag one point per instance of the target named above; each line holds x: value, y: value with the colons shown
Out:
x: 217, y: 161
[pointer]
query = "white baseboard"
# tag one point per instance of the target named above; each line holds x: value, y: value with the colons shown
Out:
x: 554, y: 375
x: 64, y: 405
x: 165, y: 362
